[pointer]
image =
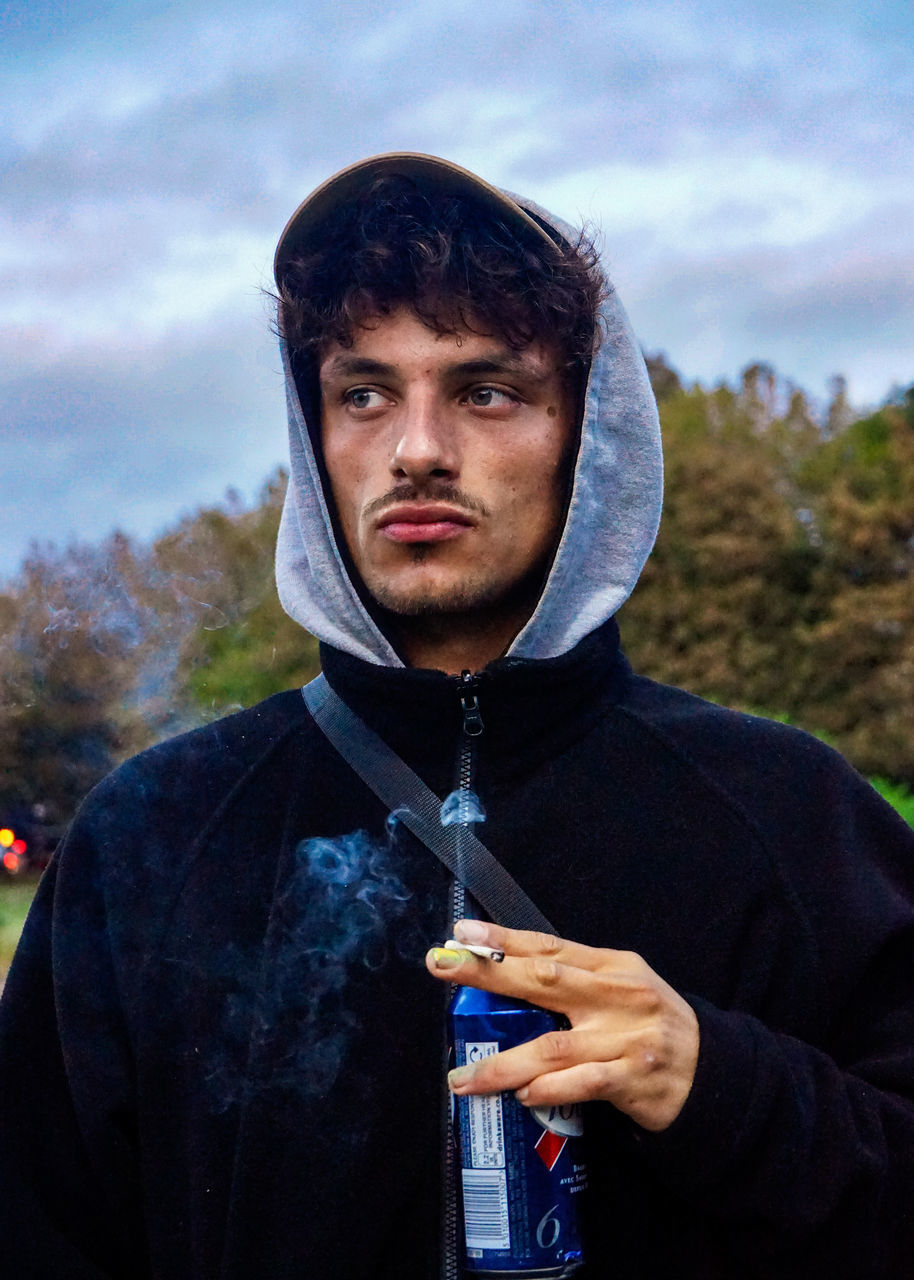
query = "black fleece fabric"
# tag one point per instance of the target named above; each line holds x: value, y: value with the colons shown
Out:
x: 221, y: 1055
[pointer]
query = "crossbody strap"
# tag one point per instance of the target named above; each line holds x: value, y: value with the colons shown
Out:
x: 417, y: 806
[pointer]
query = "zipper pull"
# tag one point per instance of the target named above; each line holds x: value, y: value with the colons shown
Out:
x: 472, y: 716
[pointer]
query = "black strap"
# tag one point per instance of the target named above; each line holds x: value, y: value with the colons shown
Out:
x: 417, y: 806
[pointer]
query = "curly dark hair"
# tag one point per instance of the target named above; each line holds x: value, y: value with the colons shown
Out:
x: 454, y: 263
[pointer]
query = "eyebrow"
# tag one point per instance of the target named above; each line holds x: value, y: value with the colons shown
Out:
x: 351, y: 366
x: 357, y: 367
x: 495, y: 364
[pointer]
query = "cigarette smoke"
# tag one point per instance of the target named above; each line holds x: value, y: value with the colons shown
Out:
x: 339, y: 911
x: 291, y: 1018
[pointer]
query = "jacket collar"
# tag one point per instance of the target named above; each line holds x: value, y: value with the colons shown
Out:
x: 530, y: 708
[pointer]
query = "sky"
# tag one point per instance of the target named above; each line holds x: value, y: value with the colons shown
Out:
x: 749, y: 169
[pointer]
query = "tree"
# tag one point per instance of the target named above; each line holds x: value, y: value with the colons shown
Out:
x: 245, y: 647
x: 65, y: 675
x: 107, y: 649
x: 730, y: 575
x: 861, y: 685
x: 665, y: 381
x: 782, y: 576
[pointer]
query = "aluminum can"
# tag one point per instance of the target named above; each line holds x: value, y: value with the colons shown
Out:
x: 522, y: 1169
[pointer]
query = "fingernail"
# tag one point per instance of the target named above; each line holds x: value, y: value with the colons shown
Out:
x: 445, y: 959
x: 522, y: 1094
x: 471, y: 931
x: 461, y: 1075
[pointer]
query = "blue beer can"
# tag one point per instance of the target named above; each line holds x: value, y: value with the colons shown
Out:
x: 522, y: 1169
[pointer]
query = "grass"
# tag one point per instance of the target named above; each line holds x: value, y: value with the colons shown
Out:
x: 15, y: 900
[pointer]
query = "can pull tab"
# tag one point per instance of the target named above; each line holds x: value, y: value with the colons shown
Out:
x: 469, y: 702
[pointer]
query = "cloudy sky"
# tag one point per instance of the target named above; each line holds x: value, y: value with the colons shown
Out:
x: 750, y: 166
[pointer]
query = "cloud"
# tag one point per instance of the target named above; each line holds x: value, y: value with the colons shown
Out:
x: 129, y: 438
x: 751, y: 169
x: 846, y: 308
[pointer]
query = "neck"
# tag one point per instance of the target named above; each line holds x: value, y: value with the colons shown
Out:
x: 455, y: 642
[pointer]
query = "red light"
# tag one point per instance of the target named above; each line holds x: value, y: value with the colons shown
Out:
x: 18, y: 846
x: 11, y: 861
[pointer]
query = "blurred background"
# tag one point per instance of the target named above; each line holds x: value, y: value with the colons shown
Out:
x: 748, y: 170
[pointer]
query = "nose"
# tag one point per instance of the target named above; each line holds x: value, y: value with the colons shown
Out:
x: 425, y: 446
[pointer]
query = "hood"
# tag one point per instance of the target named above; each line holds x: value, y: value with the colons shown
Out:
x: 612, y: 519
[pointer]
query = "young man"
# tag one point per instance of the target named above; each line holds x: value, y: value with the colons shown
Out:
x: 221, y: 1053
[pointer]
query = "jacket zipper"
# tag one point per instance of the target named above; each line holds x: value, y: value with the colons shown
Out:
x: 472, y: 727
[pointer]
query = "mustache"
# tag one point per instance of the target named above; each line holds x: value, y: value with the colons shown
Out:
x: 434, y: 491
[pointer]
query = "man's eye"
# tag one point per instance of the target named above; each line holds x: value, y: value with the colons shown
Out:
x: 489, y: 398
x: 364, y: 398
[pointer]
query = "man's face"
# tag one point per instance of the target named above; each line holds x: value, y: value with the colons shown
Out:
x: 446, y: 458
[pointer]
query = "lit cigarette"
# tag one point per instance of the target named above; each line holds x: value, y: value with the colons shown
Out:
x: 487, y: 953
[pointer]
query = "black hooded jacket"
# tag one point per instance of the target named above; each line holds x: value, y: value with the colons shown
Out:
x: 221, y: 1055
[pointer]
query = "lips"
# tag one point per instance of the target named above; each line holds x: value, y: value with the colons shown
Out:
x: 423, y: 522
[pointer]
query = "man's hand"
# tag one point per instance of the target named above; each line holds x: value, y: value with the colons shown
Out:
x: 633, y: 1041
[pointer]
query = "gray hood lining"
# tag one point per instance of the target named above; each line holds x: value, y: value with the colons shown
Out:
x: 611, y: 523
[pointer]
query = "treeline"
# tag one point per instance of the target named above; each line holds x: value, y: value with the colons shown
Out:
x: 783, y: 576
x: 782, y: 581
x: 109, y: 648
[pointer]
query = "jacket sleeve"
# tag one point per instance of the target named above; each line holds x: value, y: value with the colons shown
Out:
x: 68, y: 1160
x: 804, y: 1153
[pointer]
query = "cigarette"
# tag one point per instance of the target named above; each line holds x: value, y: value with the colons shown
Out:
x: 487, y: 953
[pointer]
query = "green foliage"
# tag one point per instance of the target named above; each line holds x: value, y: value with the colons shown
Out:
x: 104, y: 650
x: 782, y: 575
x: 65, y: 673
x: 899, y: 797
x: 665, y: 381
x: 247, y: 647
x: 261, y: 653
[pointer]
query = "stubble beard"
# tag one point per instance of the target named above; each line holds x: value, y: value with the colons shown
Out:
x: 478, y: 597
